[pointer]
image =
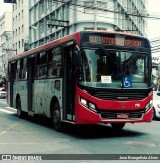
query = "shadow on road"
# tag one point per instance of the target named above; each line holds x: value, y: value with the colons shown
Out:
x: 86, y: 131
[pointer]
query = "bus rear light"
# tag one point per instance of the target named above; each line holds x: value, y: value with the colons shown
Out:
x: 87, y: 104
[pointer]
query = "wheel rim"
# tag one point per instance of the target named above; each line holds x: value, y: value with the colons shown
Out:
x: 56, y: 118
x: 18, y: 109
x: 18, y: 112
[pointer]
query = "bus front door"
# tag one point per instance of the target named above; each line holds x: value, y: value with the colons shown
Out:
x: 31, y: 64
x: 69, y: 84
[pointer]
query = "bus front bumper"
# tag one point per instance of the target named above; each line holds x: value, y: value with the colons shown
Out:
x: 87, y: 116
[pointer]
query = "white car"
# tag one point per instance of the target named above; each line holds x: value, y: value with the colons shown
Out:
x: 156, y: 105
x: 2, y: 92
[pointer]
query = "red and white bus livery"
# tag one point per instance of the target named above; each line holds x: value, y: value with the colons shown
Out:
x: 87, y: 77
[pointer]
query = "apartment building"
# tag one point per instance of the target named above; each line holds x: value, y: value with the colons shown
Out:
x: 20, y: 28
x: 49, y: 20
x: 5, y: 41
x: 36, y: 22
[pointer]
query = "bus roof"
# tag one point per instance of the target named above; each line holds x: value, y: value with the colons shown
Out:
x: 75, y: 36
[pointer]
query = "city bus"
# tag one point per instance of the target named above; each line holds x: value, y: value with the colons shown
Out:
x: 88, y: 77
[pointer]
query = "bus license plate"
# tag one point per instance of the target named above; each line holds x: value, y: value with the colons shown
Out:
x: 122, y: 116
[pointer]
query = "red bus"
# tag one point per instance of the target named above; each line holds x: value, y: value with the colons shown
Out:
x: 88, y: 77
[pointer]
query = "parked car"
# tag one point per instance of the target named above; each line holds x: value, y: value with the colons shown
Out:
x: 156, y: 105
x: 2, y: 92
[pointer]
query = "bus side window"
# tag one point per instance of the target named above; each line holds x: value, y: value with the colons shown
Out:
x: 17, y: 77
x: 57, y: 61
x: 50, y: 63
x: 24, y: 69
x: 41, y: 69
x: 54, y: 62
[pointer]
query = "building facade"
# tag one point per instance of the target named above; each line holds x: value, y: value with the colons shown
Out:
x: 20, y: 30
x: 5, y: 41
x: 49, y: 20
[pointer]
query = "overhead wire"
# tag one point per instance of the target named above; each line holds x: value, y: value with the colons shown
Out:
x: 152, y: 15
x: 113, y: 11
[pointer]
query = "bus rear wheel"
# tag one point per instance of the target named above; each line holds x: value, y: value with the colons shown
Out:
x: 117, y: 126
x: 56, y: 117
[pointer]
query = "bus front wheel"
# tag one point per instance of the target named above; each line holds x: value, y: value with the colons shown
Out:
x: 117, y: 126
x: 56, y: 117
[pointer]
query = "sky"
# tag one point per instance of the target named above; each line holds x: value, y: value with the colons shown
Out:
x: 154, y: 24
x: 153, y: 9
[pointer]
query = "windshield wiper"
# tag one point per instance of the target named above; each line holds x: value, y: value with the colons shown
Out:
x: 107, y: 54
x: 132, y: 58
x: 130, y: 61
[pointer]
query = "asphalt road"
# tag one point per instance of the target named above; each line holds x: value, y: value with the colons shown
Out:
x: 37, y: 137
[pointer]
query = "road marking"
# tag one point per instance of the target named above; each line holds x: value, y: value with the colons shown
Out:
x: 7, y: 111
x: 10, y: 108
x: 12, y: 126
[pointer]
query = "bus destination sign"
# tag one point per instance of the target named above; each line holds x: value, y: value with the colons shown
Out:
x: 122, y: 41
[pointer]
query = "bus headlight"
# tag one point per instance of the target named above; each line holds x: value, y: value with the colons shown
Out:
x: 83, y: 101
x: 87, y: 104
x: 92, y: 106
x: 149, y: 105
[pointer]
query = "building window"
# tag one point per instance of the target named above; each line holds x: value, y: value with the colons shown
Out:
x: 47, y: 4
x: 18, y: 16
x: 22, y: 42
x: 19, y: 43
x: 88, y: 29
x: 42, y: 6
x: 22, y: 28
x: 101, y: 28
x: 22, y: 14
x: 42, y: 27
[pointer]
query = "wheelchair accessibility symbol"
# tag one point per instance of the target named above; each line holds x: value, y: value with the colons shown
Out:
x: 127, y: 82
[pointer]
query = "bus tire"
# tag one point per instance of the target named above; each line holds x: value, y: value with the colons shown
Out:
x: 153, y: 114
x: 56, y: 117
x: 117, y: 126
x: 19, y: 110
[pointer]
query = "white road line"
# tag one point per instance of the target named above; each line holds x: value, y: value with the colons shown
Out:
x: 6, y: 111
x: 10, y: 108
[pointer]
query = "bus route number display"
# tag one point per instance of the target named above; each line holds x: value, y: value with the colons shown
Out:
x: 115, y: 41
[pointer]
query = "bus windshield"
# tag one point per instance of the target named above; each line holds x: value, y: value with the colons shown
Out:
x: 114, y: 68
